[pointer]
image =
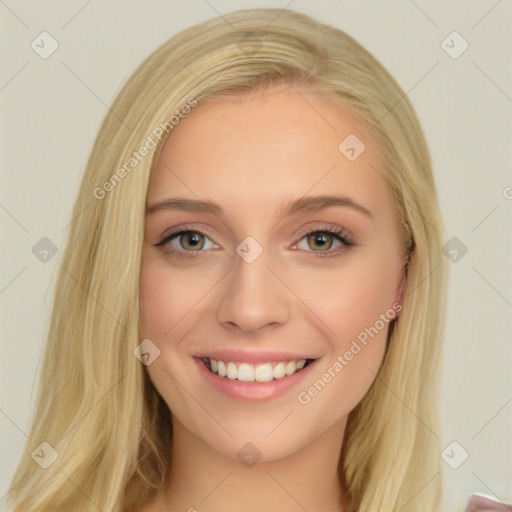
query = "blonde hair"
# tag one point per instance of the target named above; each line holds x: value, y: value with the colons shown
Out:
x: 96, y: 405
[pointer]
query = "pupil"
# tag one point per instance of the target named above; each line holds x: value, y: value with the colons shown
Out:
x: 320, y: 240
x: 193, y: 239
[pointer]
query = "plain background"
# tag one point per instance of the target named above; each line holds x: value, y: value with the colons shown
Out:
x: 51, y: 110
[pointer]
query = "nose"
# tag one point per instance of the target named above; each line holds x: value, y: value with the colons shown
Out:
x: 254, y: 297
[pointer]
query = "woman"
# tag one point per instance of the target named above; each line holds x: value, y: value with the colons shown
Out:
x: 203, y: 353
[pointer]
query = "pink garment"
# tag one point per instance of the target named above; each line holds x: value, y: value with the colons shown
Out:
x: 484, y: 503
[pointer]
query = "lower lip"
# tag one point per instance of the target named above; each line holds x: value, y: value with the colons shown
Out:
x: 253, y: 391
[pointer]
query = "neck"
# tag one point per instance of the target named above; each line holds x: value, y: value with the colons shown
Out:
x: 201, y: 478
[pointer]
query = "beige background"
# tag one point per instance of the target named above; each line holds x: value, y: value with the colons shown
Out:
x: 51, y: 110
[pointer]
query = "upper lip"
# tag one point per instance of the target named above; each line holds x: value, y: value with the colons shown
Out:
x: 251, y: 357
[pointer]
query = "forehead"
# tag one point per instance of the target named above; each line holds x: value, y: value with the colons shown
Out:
x: 272, y: 144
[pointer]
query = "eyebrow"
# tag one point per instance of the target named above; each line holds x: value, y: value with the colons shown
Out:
x: 303, y: 204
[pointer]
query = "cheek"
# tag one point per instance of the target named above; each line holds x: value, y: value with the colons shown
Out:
x: 352, y: 303
x: 163, y: 297
x: 166, y: 297
x: 155, y: 303
x: 350, y: 299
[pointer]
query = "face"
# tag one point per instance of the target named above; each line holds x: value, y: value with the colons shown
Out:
x: 291, y: 298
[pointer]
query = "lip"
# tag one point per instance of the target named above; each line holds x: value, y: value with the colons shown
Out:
x: 253, y: 391
x: 254, y: 357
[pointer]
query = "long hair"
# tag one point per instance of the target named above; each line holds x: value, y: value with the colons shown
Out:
x: 96, y: 408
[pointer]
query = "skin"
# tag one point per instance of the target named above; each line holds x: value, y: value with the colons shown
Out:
x: 250, y: 153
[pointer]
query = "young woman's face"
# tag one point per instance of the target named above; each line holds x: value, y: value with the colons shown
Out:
x: 268, y: 277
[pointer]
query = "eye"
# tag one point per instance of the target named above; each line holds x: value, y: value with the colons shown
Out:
x: 324, y: 239
x: 185, y: 241
x: 193, y: 242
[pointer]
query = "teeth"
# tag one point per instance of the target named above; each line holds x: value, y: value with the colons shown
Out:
x: 231, y: 371
x: 264, y: 372
x: 279, y: 371
x: 246, y: 372
x: 291, y: 367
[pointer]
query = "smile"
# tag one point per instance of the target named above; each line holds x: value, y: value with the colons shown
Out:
x: 247, y: 372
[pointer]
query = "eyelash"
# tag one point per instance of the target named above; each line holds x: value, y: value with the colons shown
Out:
x: 338, y: 233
